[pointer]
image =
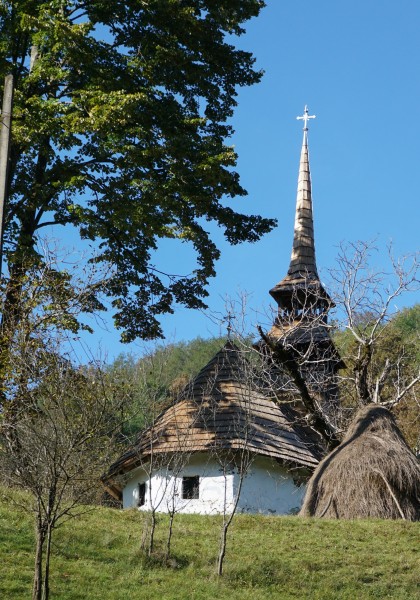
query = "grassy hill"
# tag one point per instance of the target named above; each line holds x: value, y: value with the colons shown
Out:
x: 96, y: 556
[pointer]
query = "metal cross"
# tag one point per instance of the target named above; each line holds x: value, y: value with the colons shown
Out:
x: 229, y: 318
x: 305, y: 118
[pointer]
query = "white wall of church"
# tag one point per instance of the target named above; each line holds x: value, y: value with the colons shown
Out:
x: 164, y: 490
x: 267, y: 488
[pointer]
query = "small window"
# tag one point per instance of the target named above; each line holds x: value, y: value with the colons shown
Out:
x: 141, y: 494
x: 190, y: 487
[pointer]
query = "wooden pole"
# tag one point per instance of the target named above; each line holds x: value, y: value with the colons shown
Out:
x: 6, y: 124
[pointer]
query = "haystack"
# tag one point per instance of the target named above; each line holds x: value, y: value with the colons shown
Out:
x: 372, y: 473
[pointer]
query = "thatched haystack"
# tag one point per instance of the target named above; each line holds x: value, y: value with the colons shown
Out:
x: 372, y: 473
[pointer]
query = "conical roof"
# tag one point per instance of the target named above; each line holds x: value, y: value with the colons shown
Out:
x: 222, y: 408
x: 302, y: 261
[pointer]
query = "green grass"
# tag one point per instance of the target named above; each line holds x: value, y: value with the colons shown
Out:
x: 97, y: 556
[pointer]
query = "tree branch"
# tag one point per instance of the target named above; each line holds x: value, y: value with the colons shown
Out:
x: 317, y: 419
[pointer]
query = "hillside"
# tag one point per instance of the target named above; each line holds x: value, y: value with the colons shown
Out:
x: 97, y: 557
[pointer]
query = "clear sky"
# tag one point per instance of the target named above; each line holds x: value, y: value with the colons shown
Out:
x: 356, y: 65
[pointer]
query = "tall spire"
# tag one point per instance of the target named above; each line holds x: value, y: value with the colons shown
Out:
x: 303, y: 252
x: 301, y: 324
x: 302, y: 275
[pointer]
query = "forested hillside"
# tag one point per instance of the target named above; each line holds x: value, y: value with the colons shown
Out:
x: 155, y: 380
x: 398, y: 353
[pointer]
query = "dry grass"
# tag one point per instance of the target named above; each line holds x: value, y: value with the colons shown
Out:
x: 373, y: 473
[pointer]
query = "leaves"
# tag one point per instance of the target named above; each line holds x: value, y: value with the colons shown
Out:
x: 120, y: 120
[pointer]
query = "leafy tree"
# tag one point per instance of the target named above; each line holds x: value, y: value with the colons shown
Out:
x: 121, y: 114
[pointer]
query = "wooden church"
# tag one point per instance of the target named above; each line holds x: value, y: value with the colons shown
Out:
x: 232, y: 441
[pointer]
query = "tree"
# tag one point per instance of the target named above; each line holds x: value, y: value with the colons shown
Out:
x: 59, y: 422
x: 358, y: 476
x: 121, y: 114
x: 52, y: 303
x: 61, y: 440
x: 158, y: 468
x: 236, y: 461
x: 367, y: 298
x: 397, y: 348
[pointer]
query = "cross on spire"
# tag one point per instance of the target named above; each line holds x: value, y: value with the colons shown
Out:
x: 228, y: 319
x: 305, y: 118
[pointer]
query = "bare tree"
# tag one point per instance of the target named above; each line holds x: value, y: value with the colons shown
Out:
x: 225, y: 401
x: 62, y: 437
x: 154, y: 462
x: 153, y: 398
x: 175, y: 466
x: 376, y: 374
x: 235, y: 463
x: 367, y: 299
x: 59, y: 418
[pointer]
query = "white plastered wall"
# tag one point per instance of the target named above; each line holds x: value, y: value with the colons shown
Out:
x: 267, y: 488
x: 164, y: 490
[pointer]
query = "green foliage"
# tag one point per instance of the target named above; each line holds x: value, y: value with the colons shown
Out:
x: 97, y: 556
x: 184, y: 360
x: 120, y: 119
x: 53, y: 299
x: 407, y: 325
x: 398, y: 343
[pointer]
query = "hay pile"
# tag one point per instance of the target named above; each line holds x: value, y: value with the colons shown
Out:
x: 372, y: 473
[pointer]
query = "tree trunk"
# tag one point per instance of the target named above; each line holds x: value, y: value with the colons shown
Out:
x: 361, y: 373
x: 21, y: 261
x: 169, y: 538
x: 152, y: 533
x: 5, y: 130
x: 10, y: 320
x: 46, y: 582
x: 222, y: 549
x: 40, y: 539
x: 227, y: 520
x: 285, y: 357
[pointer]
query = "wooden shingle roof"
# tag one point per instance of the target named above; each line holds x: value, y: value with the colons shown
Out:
x: 302, y: 272
x: 302, y: 260
x: 223, y: 408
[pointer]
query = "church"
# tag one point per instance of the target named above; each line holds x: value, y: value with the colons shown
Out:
x: 233, y: 440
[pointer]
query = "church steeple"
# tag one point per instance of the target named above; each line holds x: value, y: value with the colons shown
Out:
x: 301, y: 289
x: 303, y: 253
x: 301, y: 326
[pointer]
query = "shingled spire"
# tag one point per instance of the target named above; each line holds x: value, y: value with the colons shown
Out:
x: 301, y: 326
x: 302, y: 260
x: 302, y: 286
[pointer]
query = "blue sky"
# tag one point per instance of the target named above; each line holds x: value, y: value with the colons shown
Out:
x: 356, y: 65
